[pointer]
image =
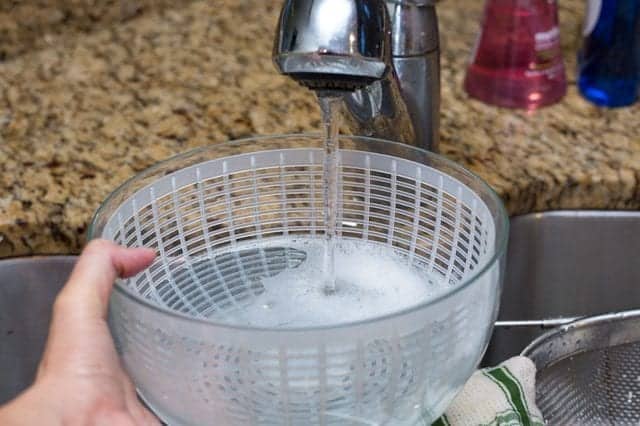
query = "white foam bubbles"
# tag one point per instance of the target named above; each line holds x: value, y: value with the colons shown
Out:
x: 372, y: 280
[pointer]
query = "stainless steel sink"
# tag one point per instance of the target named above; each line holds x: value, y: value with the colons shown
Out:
x: 27, y: 289
x: 562, y: 265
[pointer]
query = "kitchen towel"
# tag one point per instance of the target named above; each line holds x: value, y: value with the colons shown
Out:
x: 499, y: 396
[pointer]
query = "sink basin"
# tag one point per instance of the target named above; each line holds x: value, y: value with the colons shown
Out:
x: 27, y: 289
x: 562, y: 265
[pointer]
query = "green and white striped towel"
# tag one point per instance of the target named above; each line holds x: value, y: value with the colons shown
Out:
x: 499, y: 396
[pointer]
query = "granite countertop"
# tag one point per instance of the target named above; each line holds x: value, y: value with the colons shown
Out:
x: 84, y: 111
x: 26, y: 25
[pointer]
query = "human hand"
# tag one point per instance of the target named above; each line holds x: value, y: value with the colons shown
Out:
x: 80, y: 380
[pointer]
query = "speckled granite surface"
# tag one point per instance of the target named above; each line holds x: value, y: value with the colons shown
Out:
x: 26, y: 25
x: 79, y: 117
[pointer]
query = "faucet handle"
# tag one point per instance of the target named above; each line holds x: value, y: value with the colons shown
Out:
x: 329, y: 44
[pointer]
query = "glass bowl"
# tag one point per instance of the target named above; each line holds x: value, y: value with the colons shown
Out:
x: 224, y: 220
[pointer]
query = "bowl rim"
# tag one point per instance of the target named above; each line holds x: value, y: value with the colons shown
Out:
x: 502, y: 236
x: 584, y: 324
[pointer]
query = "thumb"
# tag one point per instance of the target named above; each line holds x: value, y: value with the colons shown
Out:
x: 87, y: 291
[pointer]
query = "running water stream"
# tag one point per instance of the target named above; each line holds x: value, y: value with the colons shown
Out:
x: 329, y: 106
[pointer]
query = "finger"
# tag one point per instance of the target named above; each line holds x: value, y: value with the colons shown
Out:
x: 80, y: 310
x: 151, y: 418
x: 111, y: 418
x: 101, y: 262
x: 130, y: 261
x: 136, y: 408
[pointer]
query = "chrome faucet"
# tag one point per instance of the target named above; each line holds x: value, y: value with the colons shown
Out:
x: 381, y: 56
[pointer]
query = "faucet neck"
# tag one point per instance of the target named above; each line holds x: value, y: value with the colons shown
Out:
x: 414, y: 27
x: 382, y: 55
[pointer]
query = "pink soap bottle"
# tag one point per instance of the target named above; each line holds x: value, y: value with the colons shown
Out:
x: 517, y: 61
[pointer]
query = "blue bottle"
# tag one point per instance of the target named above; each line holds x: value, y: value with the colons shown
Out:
x: 609, y: 62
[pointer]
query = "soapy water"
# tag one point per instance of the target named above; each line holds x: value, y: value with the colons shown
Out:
x: 371, y: 280
x: 279, y: 283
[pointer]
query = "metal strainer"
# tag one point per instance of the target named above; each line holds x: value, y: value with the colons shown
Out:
x: 589, y: 371
x: 200, y: 210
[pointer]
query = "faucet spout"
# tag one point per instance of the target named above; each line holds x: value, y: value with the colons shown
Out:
x: 372, y: 52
